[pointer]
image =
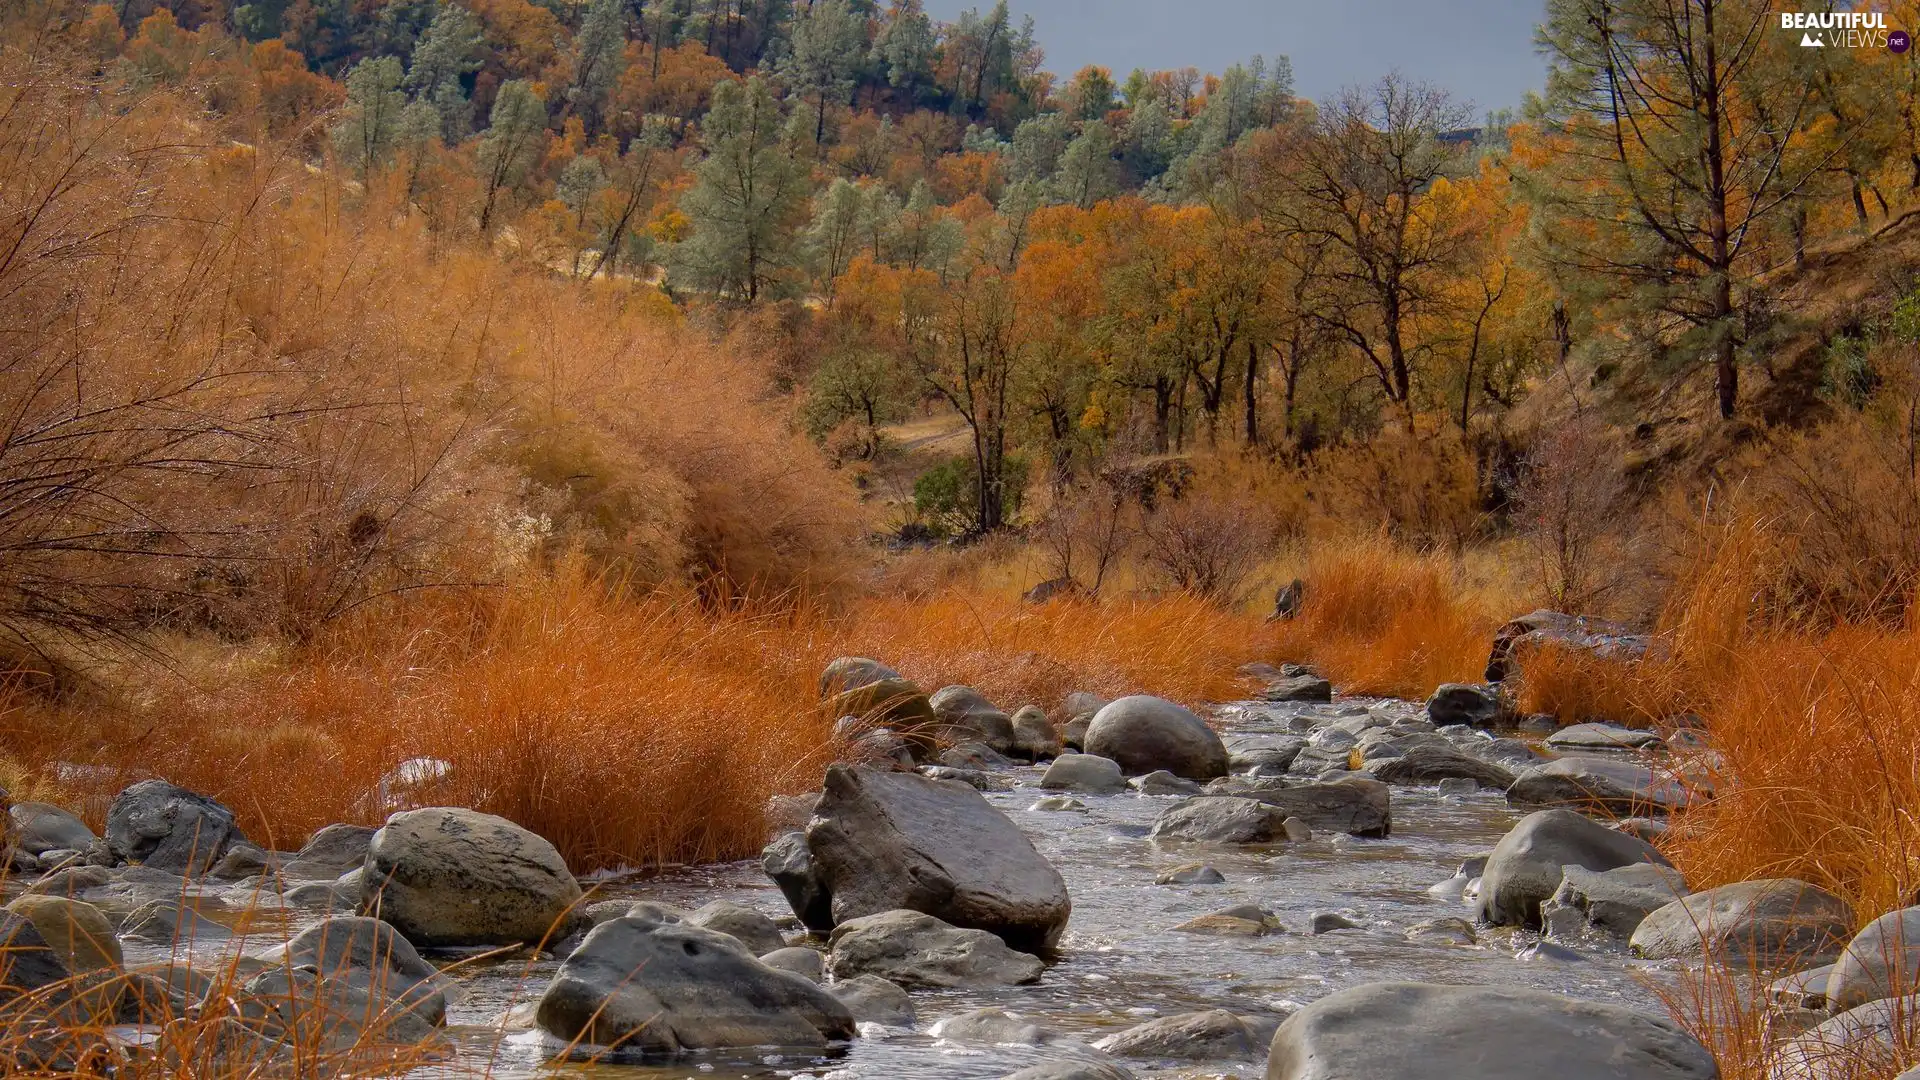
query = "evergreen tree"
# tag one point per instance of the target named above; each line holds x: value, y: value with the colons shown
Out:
x: 904, y: 48
x: 599, y: 51
x: 839, y: 223
x: 1086, y: 168
x: 364, y: 136
x: 511, y: 145
x: 448, y: 52
x: 748, y: 196
x: 828, y: 43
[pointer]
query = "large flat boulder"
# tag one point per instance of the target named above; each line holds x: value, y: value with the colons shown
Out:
x: 446, y: 876
x: 1415, y: 1031
x: 1354, y: 805
x: 1614, y: 900
x: 1145, y: 734
x: 1463, y: 703
x: 659, y: 987
x: 1597, y: 736
x: 1430, y: 764
x: 39, y: 827
x: 913, y: 949
x: 1605, y: 785
x: 1766, y: 923
x: 969, y: 716
x: 1528, y: 864
x: 883, y: 841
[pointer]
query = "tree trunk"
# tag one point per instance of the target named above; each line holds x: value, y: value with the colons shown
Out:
x: 1252, y: 397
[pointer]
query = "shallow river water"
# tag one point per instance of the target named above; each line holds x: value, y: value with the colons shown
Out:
x: 1120, y: 962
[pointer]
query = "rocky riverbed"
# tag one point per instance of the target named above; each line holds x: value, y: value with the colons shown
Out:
x: 1205, y: 910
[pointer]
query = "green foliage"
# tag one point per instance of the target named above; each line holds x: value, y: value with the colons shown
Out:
x: 512, y: 143
x: 447, y: 54
x: 1847, y: 376
x: 905, y: 46
x: 365, y: 134
x: 947, y: 495
x: 748, y: 198
x: 828, y: 43
x: 598, y: 52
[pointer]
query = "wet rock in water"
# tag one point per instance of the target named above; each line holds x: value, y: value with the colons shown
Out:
x: 1527, y: 865
x: 1298, y: 832
x: 914, y: 949
x: 77, y: 932
x: 886, y: 841
x: 973, y: 778
x: 243, y: 861
x: 1271, y: 756
x: 753, y: 929
x: 1882, y: 961
x: 167, y: 922
x: 1462, y: 703
x: 666, y: 987
x: 1355, y: 805
x: 1333, y: 738
x: 874, y: 1000
x: 1512, y: 754
x: 371, y: 957
x: 1613, y: 900
x: 1221, y: 819
x: 329, y: 896
x: 1326, y: 922
x: 42, y: 827
x: 1162, y: 782
x: 1596, y: 736
x: 1240, y: 920
x: 1447, y: 929
x: 157, y: 824
x: 1427, y: 764
x: 1549, y: 951
x: 1769, y: 922
x: 1456, y: 787
x: 846, y: 673
x: 1315, y: 760
x: 329, y: 853
x: 1600, y: 785
x: 966, y: 713
x: 1298, y: 688
x: 1212, y: 1035
x: 789, y: 862
x: 1146, y: 733
x: 1088, y: 774
x: 1191, y: 874
x: 301, y: 1007
x: 1073, y: 734
x: 1415, y: 1031
x: 1034, y: 736
x: 1056, y: 804
x: 27, y: 962
x: 446, y: 876
x: 1071, y: 1070
x: 809, y: 964
x: 1803, y: 989
x: 1867, y: 1040
x: 994, y: 1027
x: 1648, y: 829
x: 974, y: 754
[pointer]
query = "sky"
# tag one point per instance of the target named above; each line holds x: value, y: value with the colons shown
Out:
x: 1481, y: 50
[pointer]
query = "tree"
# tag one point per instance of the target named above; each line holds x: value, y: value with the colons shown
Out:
x: 511, y: 145
x: 447, y: 53
x: 1090, y: 94
x: 1353, y: 182
x: 1676, y: 140
x: 829, y: 40
x: 748, y: 196
x: 599, y: 52
x: 635, y: 181
x: 981, y: 52
x: 1086, y: 168
x: 838, y: 226
x: 905, y: 47
x: 364, y: 137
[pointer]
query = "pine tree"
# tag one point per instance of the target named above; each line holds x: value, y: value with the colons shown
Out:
x: 905, y: 47
x: 747, y: 199
x: 1086, y: 168
x: 511, y: 145
x: 839, y: 223
x: 828, y: 43
x: 599, y: 50
x: 448, y: 52
x: 365, y: 135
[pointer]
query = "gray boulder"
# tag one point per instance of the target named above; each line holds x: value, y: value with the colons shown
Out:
x: 807, y: 963
x: 1191, y: 874
x: 329, y: 853
x: 1868, y: 1040
x: 874, y: 1000
x: 368, y: 955
x: 1270, y: 756
x: 896, y: 705
x: 1428, y: 764
x: 1162, y: 782
x: 1803, y: 989
x: 78, y: 932
x: 1528, y: 864
x: 753, y: 929
x: 1604, y: 785
x: 1354, y: 805
x: 967, y: 714
x: 886, y: 841
x: 993, y: 1027
x: 1613, y: 900
x: 1034, y: 736
x: 853, y: 672
x: 1298, y: 688
x: 789, y: 862
x: 1088, y: 774
x: 1415, y: 1031
x: 445, y: 876
x: 299, y: 1006
x: 1882, y: 961
x: 1145, y: 733
x: 1071, y: 1070
x: 1212, y: 1035
x: 42, y: 827
x: 1768, y: 923
x: 27, y: 962
x: 157, y: 824
x: 1462, y: 703
x: 1221, y: 819
x: 1602, y: 737
x: 670, y: 987
x: 913, y: 949
x: 167, y: 922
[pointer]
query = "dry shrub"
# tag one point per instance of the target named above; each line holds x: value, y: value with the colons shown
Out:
x: 1380, y: 619
x: 1571, y: 499
x: 1420, y: 488
x: 1574, y: 685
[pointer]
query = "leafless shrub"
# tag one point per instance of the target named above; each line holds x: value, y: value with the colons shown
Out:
x: 1209, y: 544
x: 1571, y: 495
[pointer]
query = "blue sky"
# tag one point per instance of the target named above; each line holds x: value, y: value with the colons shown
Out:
x: 1482, y: 50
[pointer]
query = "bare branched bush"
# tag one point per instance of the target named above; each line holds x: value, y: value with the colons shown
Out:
x: 1209, y: 543
x: 1421, y: 489
x: 1571, y: 497
x: 1088, y: 530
